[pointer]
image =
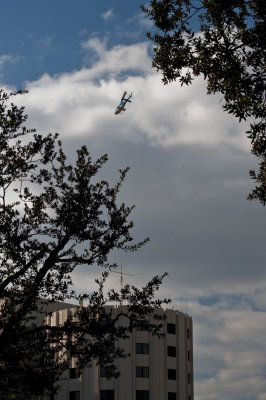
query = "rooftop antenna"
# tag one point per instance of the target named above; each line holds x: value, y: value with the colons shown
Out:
x: 122, y: 278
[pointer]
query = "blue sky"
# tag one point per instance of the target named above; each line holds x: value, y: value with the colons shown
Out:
x: 46, y: 36
x: 188, y: 179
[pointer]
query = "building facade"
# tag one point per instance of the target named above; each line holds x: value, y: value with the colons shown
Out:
x: 158, y: 368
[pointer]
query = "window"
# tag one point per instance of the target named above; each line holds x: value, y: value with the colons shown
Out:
x: 171, y: 328
x: 74, y: 373
x: 142, y: 325
x: 107, y: 395
x: 171, y: 396
x: 107, y: 323
x: 75, y: 350
x: 108, y: 347
x: 142, y: 348
x: 172, y: 374
x: 142, y: 372
x: 74, y: 395
x: 171, y: 351
x: 189, y: 377
x: 107, y: 371
x: 188, y: 355
x: 188, y: 333
x: 75, y: 323
x: 142, y: 395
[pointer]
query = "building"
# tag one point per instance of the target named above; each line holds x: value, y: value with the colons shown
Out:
x: 158, y: 369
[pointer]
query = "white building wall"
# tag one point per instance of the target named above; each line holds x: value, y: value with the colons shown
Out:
x: 157, y: 361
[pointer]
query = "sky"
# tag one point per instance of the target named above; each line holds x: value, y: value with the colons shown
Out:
x: 189, y: 172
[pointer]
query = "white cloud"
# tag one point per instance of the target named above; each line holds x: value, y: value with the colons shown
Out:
x: 4, y: 58
x: 108, y: 14
x: 163, y: 115
x: 7, y: 58
x: 120, y: 59
x: 141, y: 20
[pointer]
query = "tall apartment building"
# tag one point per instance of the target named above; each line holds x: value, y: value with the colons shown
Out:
x: 158, y: 369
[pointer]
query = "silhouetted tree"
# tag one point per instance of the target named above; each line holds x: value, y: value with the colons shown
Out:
x: 223, y: 41
x: 55, y: 216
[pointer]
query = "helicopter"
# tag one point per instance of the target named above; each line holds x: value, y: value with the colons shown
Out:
x: 121, y: 106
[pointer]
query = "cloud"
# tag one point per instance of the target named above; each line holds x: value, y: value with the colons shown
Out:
x: 4, y: 59
x: 141, y: 20
x: 108, y: 14
x: 162, y: 115
x: 118, y: 60
x: 229, y: 353
x: 7, y: 58
x: 189, y: 181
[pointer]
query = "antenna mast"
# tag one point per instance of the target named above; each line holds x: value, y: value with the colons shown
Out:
x: 122, y: 278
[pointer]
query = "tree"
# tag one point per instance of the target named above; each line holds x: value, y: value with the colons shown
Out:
x: 55, y: 216
x: 224, y: 41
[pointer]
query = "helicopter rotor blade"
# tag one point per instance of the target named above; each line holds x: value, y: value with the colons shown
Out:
x: 124, y: 94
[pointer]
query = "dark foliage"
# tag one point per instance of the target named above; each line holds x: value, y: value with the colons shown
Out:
x: 55, y: 216
x: 225, y: 42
